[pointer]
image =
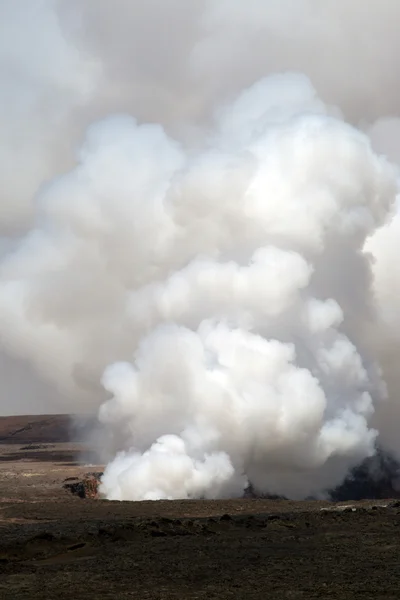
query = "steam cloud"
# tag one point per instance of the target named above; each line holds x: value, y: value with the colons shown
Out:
x: 202, y: 272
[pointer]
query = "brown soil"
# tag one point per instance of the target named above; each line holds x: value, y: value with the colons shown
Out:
x: 54, y: 545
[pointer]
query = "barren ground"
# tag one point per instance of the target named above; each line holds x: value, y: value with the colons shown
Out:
x: 54, y: 545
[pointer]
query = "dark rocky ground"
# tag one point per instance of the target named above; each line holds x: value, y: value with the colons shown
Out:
x: 55, y: 545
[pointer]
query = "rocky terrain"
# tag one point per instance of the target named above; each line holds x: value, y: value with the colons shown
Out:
x: 58, y: 544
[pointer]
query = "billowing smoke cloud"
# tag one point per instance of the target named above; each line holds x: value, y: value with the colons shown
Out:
x: 199, y: 270
x: 243, y: 369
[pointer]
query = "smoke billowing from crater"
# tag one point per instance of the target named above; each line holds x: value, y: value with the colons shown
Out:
x: 212, y: 268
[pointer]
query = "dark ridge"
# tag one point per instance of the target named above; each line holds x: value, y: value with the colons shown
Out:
x: 44, y: 429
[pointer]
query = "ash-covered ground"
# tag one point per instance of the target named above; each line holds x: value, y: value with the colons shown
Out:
x: 55, y: 544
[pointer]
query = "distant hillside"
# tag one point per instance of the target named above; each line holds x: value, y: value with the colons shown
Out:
x: 42, y: 429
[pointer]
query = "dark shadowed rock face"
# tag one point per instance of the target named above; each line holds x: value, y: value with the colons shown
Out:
x: 88, y: 487
x: 376, y: 478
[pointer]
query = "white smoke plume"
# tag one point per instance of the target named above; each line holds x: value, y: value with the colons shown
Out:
x: 243, y: 369
x: 201, y: 273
